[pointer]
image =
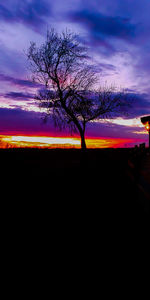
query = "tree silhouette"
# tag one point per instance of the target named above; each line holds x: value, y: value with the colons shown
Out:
x: 69, y: 95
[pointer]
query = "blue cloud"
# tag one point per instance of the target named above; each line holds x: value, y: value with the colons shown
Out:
x: 104, y: 25
x: 29, y: 13
x: 104, y: 29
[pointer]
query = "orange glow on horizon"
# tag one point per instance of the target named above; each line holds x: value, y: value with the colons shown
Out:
x: 15, y: 141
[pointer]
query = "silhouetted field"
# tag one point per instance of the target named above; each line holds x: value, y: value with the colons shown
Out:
x: 62, y: 184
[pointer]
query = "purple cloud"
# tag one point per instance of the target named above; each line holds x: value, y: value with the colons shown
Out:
x: 13, y: 121
x: 140, y: 105
x: 117, y: 33
x: 31, y: 123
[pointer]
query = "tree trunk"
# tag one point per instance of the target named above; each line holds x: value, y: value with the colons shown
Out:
x: 83, y: 144
x: 83, y: 152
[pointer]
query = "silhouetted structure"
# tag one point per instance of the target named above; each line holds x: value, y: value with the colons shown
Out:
x: 146, y: 122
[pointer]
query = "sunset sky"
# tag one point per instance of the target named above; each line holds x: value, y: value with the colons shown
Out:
x: 117, y: 33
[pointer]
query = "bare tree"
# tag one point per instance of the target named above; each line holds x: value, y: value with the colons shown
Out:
x: 70, y: 96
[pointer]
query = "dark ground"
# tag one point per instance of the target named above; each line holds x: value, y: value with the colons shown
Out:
x: 98, y: 186
x: 65, y: 172
x: 62, y: 214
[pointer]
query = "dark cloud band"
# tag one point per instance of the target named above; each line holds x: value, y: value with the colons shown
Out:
x: 19, y: 82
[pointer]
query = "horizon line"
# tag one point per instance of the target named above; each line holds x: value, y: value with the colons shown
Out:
x: 38, y: 141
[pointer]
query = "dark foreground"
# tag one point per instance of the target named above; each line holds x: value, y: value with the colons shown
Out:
x: 67, y: 221
x: 98, y: 190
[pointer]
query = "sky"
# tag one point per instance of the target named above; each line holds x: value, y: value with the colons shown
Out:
x: 117, y: 34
